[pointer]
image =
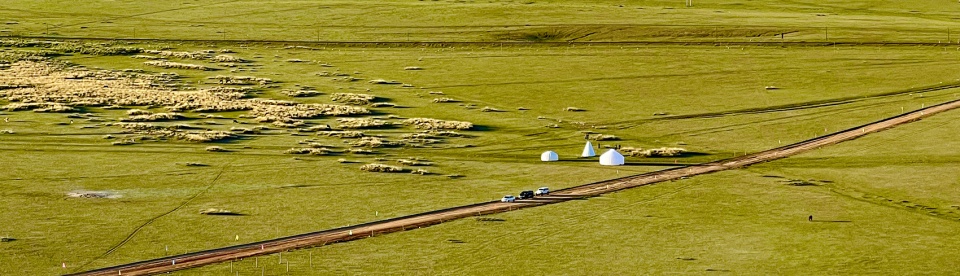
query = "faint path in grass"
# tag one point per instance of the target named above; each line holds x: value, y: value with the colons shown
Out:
x: 151, y: 220
x: 798, y: 106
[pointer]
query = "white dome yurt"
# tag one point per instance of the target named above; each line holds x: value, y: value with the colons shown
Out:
x: 611, y: 158
x: 549, y: 156
x: 588, y: 150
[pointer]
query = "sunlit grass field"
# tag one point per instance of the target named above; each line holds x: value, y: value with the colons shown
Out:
x: 713, y: 100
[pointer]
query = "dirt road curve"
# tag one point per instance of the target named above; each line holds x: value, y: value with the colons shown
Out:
x: 439, y: 216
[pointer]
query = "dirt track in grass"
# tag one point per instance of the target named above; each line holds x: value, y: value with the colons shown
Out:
x: 349, y: 233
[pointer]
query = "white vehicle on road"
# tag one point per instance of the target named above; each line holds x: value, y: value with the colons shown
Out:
x: 542, y: 191
x: 508, y: 198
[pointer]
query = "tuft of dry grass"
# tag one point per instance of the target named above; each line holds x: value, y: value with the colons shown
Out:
x: 374, y: 142
x: 124, y: 142
x: 153, y: 117
x: 310, y: 151
x: 444, y: 100
x: 215, y: 149
x: 383, y: 81
x: 240, y: 80
x: 342, y: 134
x: 361, y: 151
x: 435, y: 124
x: 376, y: 167
x: 362, y: 123
x: 490, y: 109
x: 300, y: 93
x: 409, y: 162
x: 178, y: 65
x: 604, y: 137
x: 351, y: 98
x: 218, y: 212
x: 664, y: 152
x: 420, y: 172
x: 93, y: 194
x: 383, y: 105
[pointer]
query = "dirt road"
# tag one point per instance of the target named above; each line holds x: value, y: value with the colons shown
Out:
x: 354, y: 232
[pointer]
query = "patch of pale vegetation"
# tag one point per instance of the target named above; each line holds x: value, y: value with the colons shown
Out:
x: 178, y: 65
x: 351, y: 98
x: 93, y: 194
x: 46, y: 86
x: 376, y: 167
x: 241, y: 80
x: 174, y: 132
x: 342, y: 134
x: 309, y: 151
x: 374, y: 142
x: 362, y: 123
x: 435, y: 124
x: 300, y: 93
x: 657, y: 152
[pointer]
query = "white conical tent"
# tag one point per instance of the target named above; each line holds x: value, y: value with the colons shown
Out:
x: 588, y: 150
x: 549, y: 156
x: 611, y: 158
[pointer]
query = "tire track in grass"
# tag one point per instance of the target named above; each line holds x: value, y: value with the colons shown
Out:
x: 151, y: 220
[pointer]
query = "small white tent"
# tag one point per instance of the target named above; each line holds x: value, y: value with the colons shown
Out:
x: 588, y: 150
x: 549, y: 156
x: 611, y: 158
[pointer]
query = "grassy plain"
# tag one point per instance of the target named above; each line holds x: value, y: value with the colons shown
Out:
x: 714, y: 219
x: 886, y: 203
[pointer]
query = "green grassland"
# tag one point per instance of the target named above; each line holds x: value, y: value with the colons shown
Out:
x: 886, y: 203
x: 738, y: 221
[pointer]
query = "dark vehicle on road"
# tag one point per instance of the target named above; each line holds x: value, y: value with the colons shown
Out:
x: 526, y: 194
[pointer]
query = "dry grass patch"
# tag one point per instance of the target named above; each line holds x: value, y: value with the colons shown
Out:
x: 342, y: 134
x: 300, y: 93
x: 309, y: 151
x: 178, y: 65
x: 215, y: 149
x: 376, y: 167
x: 374, y: 142
x: 436, y: 124
x: 362, y: 123
x: 351, y: 98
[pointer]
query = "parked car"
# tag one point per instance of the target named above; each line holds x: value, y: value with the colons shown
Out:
x: 526, y: 194
x: 542, y: 191
x: 508, y: 198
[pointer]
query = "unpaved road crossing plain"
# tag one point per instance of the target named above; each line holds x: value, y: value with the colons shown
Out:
x: 360, y: 231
